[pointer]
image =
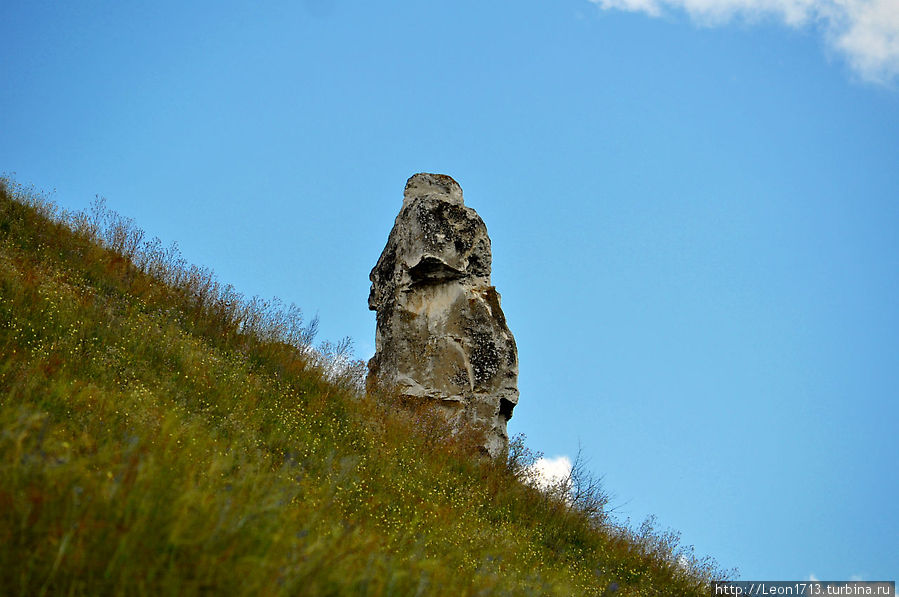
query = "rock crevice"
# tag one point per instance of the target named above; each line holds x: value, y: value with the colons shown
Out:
x: 441, y: 333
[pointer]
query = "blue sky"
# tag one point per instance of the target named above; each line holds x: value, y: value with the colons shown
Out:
x: 694, y: 209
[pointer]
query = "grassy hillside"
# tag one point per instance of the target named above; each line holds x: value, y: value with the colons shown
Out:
x: 160, y: 434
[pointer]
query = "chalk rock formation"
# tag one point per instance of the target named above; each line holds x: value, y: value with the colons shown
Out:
x: 441, y: 334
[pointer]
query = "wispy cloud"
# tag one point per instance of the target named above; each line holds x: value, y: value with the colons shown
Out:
x: 865, y: 32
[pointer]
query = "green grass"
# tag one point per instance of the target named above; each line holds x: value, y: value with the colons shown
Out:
x: 160, y: 434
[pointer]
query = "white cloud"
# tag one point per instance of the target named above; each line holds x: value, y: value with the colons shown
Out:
x: 812, y: 578
x: 865, y: 32
x: 549, y: 472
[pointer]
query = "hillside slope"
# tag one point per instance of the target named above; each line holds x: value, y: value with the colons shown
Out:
x: 161, y: 434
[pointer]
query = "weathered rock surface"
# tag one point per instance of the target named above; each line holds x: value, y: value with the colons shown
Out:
x: 441, y: 333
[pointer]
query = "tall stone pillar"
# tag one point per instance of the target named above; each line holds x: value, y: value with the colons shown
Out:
x: 441, y: 334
